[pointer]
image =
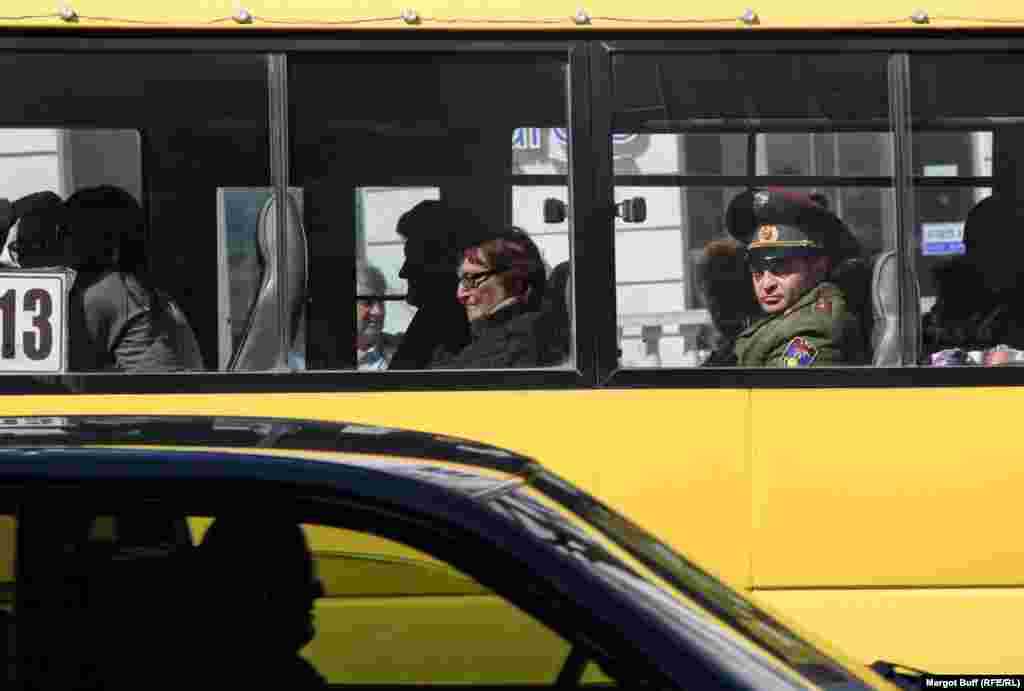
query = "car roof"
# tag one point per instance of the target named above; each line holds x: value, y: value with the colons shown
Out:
x: 459, y: 465
x: 255, y: 433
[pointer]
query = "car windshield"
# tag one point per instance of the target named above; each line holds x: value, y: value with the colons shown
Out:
x: 728, y: 605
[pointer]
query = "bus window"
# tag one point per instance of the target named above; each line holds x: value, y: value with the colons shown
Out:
x: 528, y: 213
x: 968, y: 147
x: 539, y: 178
x: 65, y: 159
x: 422, y: 128
x: 816, y: 126
x: 198, y: 123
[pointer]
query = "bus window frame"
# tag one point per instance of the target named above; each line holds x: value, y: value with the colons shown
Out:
x: 904, y: 182
x: 573, y: 52
x: 589, y: 92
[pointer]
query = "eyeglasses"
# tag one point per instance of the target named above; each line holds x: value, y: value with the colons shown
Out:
x: 472, y: 281
x: 778, y: 266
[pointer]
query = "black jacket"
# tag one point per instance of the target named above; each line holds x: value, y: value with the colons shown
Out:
x: 434, y: 329
x: 968, y: 315
x: 508, y: 338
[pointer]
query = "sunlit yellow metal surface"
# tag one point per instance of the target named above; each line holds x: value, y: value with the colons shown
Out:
x: 938, y: 629
x: 886, y: 488
x: 420, y: 15
x: 673, y: 461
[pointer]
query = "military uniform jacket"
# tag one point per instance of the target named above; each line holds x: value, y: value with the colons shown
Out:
x: 818, y: 329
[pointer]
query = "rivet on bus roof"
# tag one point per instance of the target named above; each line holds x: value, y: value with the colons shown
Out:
x: 67, y: 12
x: 242, y: 16
x: 749, y: 17
x: 582, y: 17
x: 410, y: 16
x: 919, y: 17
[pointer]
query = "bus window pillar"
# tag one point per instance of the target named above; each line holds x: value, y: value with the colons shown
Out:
x: 1008, y: 161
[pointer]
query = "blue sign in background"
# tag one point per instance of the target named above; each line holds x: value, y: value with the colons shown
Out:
x: 935, y: 249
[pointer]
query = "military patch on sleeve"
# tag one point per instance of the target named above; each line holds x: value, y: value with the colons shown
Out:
x: 799, y: 353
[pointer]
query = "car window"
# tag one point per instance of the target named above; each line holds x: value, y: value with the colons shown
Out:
x: 8, y: 531
x: 441, y: 626
x: 112, y: 594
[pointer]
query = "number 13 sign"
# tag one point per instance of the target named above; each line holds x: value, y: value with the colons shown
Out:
x: 33, y: 321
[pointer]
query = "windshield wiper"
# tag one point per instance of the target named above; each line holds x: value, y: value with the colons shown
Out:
x: 901, y: 675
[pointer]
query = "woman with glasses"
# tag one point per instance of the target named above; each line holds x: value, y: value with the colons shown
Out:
x: 501, y: 286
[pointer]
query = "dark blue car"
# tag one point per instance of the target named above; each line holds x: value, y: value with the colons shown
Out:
x: 175, y: 552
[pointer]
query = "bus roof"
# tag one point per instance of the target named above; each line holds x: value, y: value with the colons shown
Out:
x: 433, y: 15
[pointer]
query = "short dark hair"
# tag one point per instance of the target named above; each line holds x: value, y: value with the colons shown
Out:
x: 113, y: 220
x: 441, y: 228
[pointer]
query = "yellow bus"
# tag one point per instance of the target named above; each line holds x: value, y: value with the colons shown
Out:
x: 273, y: 146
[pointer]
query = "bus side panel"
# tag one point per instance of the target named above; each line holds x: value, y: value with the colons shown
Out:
x: 941, y: 630
x: 907, y: 487
x: 672, y: 461
x: 891, y: 518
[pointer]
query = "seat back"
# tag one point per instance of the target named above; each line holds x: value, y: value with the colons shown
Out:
x: 260, y: 345
x: 558, y: 313
x: 137, y: 609
x: 101, y: 599
x: 886, y: 342
x: 185, y: 337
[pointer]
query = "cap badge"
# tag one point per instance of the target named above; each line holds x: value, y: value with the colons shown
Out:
x: 761, y: 198
x: 768, y: 233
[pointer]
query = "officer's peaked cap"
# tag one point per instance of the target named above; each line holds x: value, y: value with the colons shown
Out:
x: 778, y: 223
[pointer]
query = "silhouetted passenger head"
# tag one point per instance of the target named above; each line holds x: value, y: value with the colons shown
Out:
x: 994, y: 240
x: 505, y: 266
x: 35, y: 240
x: 262, y: 580
x: 371, y: 310
x: 106, y: 228
x: 433, y: 233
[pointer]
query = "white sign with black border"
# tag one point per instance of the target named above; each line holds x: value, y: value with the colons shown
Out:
x: 33, y: 320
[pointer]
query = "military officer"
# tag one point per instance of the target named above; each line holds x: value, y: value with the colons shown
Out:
x: 792, y: 245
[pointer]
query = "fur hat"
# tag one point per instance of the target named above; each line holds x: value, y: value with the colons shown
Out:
x: 723, y: 278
